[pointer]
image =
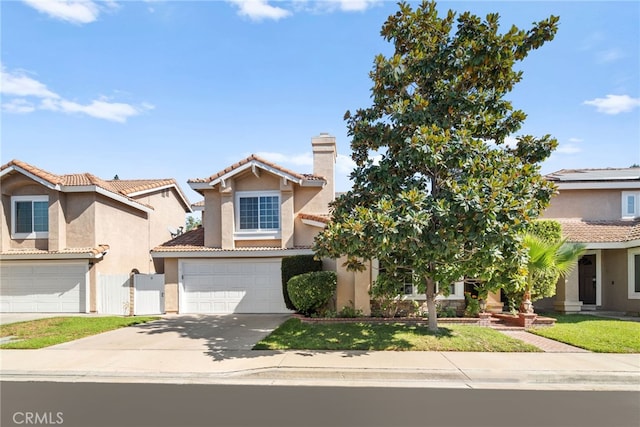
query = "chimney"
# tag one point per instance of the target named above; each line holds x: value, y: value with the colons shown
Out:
x: 324, y: 160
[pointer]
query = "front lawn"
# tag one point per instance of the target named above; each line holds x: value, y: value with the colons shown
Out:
x: 296, y: 335
x: 598, y: 334
x: 56, y: 330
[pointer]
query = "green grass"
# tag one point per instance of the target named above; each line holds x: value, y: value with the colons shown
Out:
x: 598, y: 334
x: 56, y: 330
x: 296, y: 335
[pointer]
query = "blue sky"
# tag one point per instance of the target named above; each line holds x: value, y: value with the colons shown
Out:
x: 155, y: 89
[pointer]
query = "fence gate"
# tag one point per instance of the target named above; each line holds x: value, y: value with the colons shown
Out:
x: 114, y: 294
x: 149, y: 294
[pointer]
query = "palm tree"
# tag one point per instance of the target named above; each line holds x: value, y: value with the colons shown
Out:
x: 547, y: 261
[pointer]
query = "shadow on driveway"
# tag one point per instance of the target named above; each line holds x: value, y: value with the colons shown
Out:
x: 222, y: 336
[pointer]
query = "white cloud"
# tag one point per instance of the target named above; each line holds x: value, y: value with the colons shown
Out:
x: 18, y: 106
x: 614, y: 104
x: 575, y: 140
x: 609, y: 55
x: 74, y: 11
x: 354, y: 5
x: 345, y: 164
x: 257, y: 10
x: 101, y: 109
x: 19, y: 84
x: 568, y: 149
x: 305, y: 159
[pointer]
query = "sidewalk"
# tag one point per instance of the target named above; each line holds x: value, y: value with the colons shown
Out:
x: 553, y: 371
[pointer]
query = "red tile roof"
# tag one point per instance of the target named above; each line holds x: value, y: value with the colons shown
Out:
x: 585, y: 231
x: 121, y: 187
x: 99, y: 250
x: 193, y: 241
x: 251, y: 158
x: 324, y: 218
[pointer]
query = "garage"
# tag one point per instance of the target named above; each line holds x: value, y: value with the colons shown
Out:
x: 43, y: 287
x: 222, y: 286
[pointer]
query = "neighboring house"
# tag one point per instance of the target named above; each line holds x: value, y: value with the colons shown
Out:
x: 254, y: 213
x: 60, y: 233
x: 601, y: 209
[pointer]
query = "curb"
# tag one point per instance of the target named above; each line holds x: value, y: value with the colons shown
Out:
x: 556, y: 380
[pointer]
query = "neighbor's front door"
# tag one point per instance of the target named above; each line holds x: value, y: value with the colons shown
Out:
x: 587, y: 279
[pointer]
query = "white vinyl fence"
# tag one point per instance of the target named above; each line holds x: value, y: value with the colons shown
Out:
x: 114, y: 294
x: 149, y: 294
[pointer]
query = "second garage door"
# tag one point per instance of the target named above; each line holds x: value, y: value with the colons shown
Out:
x: 221, y: 286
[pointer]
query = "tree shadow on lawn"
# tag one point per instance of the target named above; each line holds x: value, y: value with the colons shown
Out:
x: 353, y: 336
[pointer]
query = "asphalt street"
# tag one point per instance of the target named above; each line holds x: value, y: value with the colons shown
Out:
x: 159, y: 405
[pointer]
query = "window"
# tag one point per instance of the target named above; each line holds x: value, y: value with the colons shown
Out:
x: 630, y: 204
x: 30, y: 217
x: 258, y: 212
x: 410, y: 288
x: 634, y: 273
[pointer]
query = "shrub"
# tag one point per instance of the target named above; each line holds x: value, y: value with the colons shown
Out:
x: 473, y: 305
x: 311, y: 292
x: 293, y: 266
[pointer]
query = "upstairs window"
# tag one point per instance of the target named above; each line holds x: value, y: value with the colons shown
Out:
x: 258, y: 212
x: 30, y: 217
x: 630, y: 204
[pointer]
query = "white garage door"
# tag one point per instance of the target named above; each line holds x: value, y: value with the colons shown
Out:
x: 43, y: 287
x: 223, y: 286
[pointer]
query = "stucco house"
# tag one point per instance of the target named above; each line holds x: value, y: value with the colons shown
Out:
x: 254, y: 213
x: 60, y: 233
x: 601, y: 209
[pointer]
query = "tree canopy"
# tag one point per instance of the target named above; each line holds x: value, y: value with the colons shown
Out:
x: 446, y: 198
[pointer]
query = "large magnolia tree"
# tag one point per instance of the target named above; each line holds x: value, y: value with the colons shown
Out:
x: 447, y: 198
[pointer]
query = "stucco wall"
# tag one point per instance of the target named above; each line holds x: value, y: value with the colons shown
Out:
x: 171, y: 285
x: 168, y: 211
x: 586, y: 204
x: 127, y: 232
x: 615, y: 282
x: 81, y: 220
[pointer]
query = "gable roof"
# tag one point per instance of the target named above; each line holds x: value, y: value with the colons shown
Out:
x: 252, y: 162
x: 120, y: 190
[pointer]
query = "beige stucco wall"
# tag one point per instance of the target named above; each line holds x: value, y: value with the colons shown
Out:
x: 171, y: 285
x: 353, y: 287
x: 615, y: 282
x: 127, y: 232
x: 211, y: 219
x: 81, y: 220
x: 168, y: 211
x: 586, y: 204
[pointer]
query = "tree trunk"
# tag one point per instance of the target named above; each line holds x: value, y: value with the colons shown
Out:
x: 431, y: 305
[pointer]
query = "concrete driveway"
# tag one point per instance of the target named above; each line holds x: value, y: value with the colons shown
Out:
x: 209, y: 333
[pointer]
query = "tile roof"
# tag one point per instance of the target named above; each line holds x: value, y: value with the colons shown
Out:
x: 606, y: 174
x: 253, y: 157
x: 120, y: 187
x: 98, y: 250
x: 586, y: 231
x: 325, y: 218
x: 193, y: 241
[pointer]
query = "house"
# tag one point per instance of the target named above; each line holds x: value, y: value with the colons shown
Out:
x: 61, y: 233
x: 254, y: 213
x: 601, y: 209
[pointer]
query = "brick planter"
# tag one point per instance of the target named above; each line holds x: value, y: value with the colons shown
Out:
x: 487, y: 321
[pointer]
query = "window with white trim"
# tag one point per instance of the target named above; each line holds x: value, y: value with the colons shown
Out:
x: 410, y: 287
x: 630, y: 204
x: 633, y: 265
x: 29, y: 217
x: 258, y: 213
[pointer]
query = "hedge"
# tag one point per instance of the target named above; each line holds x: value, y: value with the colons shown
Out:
x: 310, y: 292
x: 294, y: 266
